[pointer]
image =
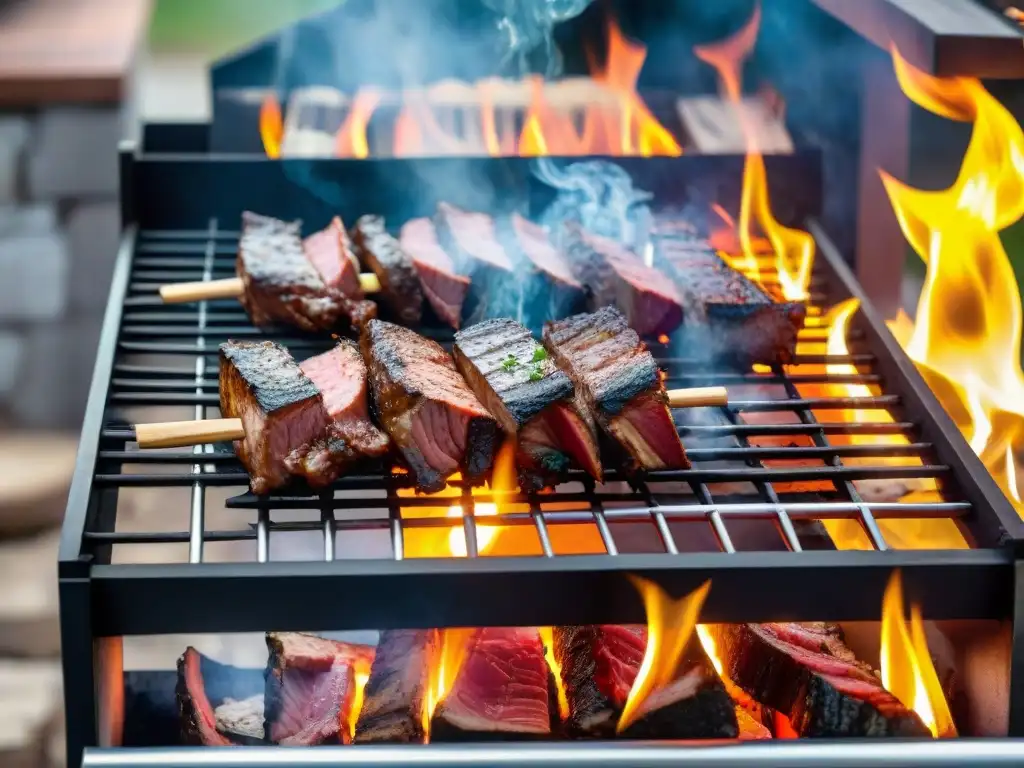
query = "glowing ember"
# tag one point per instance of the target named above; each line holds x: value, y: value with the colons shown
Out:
x: 351, y: 137
x: 271, y: 126
x: 966, y: 337
x: 548, y: 638
x: 794, y: 249
x: 670, y: 624
x: 907, y: 669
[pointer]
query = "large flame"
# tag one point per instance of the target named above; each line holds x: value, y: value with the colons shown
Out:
x: 452, y: 647
x: 670, y: 624
x: 966, y: 337
x: 547, y: 636
x: 907, y: 669
x: 271, y: 126
x: 362, y: 676
x: 793, y: 248
x: 503, y: 483
x: 351, y: 141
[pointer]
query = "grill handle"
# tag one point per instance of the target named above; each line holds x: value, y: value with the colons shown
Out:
x: 232, y: 288
x: 177, y: 434
x: 697, y: 397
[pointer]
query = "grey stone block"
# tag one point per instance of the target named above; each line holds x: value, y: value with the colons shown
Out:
x: 12, y: 353
x: 30, y: 698
x: 28, y: 602
x: 30, y: 219
x: 54, y: 385
x: 34, y: 276
x: 13, y: 136
x: 93, y: 230
x: 74, y: 153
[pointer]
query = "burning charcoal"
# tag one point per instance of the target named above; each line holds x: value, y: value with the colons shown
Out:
x: 750, y: 729
x: 531, y: 398
x: 310, y: 688
x: 549, y: 289
x: 384, y: 256
x: 282, y: 284
x: 279, y: 406
x: 621, y: 384
x: 396, y: 693
x: 806, y: 672
x: 598, y: 666
x: 443, y: 287
x: 340, y: 375
x: 503, y: 690
x: 198, y: 723
x: 615, y: 276
x: 726, y: 313
x: 425, y: 405
x: 242, y: 721
x: 472, y: 241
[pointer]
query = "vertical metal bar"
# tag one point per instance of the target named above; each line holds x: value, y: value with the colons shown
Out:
x: 597, y: 510
x: 1016, y: 729
x: 263, y: 534
x: 714, y: 517
x: 197, y: 511
x: 329, y: 528
x: 79, y: 672
x: 469, y: 522
x: 395, y: 518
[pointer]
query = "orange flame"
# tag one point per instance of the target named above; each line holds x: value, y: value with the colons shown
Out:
x: 670, y: 624
x: 966, y: 338
x: 271, y: 126
x: 907, y: 669
x: 452, y: 649
x: 362, y: 676
x: 547, y: 636
x: 793, y: 248
x: 350, y: 141
x: 503, y: 482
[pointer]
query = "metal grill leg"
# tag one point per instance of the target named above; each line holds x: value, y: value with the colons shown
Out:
x: 1016, y: 729
x: 77, y: 660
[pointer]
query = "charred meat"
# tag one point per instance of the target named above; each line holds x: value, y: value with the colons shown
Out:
x: 386, y: 258
x: 598, y: 666
x: 807, y: 673
x: 282, y: 285
x: 615, y: 276
x: 531, y: 398
x: 503, y: 691
x: 310, y: 687
x: 198, y: 722
x: 280, y: 408
x: 427, y: 408
x: 445, y: 289
x: 395, y: 699
x: 621, y: 384
x: 726, y: 313
x: 350, y: 436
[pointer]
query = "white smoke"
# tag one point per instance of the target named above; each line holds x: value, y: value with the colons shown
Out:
x: 527, y: 28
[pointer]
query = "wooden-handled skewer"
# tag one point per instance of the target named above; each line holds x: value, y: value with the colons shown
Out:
x: 178, y: 434
x: 232, y: 288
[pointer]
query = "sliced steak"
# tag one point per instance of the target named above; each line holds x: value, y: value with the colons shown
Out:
x: 198, y: 722
x: 427, y: 408
x: 282, y: 285
x: 386, y: 258
x: 310, y: 688
x: 806, y: 672
x: 599, y: 665
x: 728, y: 316
x: 395, y: 700
x: 472, y: 241
x: 549, y: 289
x: 532, y: 399
x: 330, y: 252
x: 340, y: 375
x: 444, y: 288
x: 503, y: 691
x: 621, y: 384
x: 615, y: 276
x: 280, y: 408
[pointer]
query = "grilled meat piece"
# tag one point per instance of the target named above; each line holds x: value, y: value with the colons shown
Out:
x: 548, y: 287
x: 396, y: 693
x: 444, y: 288
x: 728, y: 315
x: 282, y: 285
x: 620, y: 382
x: 600, y: 663
x: 198, y: 722
x: 472, y: 241
x: 279, y: 406
x: 330, y: 253
x: 503, y: 690
x: 310, y: 687
x: 807, y: 673
x: 426, y: 407
x: 384, y: 256
x: 340, y: 375
x: 531, y: 398
x: 242, y: 720
x: 615, y: 276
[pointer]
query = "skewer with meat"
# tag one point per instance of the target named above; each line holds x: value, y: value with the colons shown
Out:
x: 532, y: 399
x: 312, y: 284
x: 443, y: 287
x: 395, y: 269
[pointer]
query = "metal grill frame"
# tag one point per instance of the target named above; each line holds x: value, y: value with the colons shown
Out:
x: 100, y: 600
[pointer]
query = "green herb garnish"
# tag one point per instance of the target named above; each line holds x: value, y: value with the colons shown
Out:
x: 536, y: 374
x: 540, y: 354
x: 509, y: 362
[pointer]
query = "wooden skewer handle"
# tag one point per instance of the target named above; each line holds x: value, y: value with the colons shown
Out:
x: 176, y: 434
x: 232, y: 288
x: 697, y: 397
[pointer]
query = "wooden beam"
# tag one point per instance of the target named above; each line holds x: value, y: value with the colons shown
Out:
x: 942, y: 37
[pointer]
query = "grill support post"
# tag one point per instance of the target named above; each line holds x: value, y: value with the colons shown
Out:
x: 1016, y: 719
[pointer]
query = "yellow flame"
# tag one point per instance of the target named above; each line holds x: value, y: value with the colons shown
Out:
x: 351, y: 138
x: 670, y: 624
x: 708, y: 642
x: 271, y: 126
x: 503, y: 482
x: 362, y: 676
x: 907, y: 669
x: 547, y: 636
x: 451, y: 651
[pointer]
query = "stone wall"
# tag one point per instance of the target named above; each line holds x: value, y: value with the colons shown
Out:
x: 59, y: 230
